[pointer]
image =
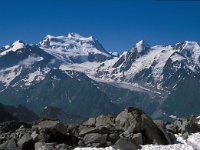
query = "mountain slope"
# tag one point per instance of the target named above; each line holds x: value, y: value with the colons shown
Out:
x: 77, y: 75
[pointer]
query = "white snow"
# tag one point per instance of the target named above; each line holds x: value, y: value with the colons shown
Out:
x: 14, y: 47
x: 173, y: 116
x: 73, y: 46
x: 176, y: 57
x: 38, y: 75
x: 89, y: 148
x: 9, y: 74
x: 192, y: 143
x: 30, y: 60
x: 194, y: 49
x: 140, y: 46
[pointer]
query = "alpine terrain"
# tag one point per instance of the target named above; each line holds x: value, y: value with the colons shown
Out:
x: 78, y: 76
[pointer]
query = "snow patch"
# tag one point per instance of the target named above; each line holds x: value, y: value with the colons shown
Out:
x: 14, y: 47
x: 30, y: 60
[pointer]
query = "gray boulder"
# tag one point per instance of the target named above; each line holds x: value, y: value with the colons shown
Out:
x: 104, y: 120
x: 90, y: 122
x: 133, y: 120
x: 137, y: 138
x: 10, y: 144
x: 52, y: 126
x: 87, y: 130
x: 126, y: 144
x: 95, y: 138
x: 130, y: 120
x: 26, y: 142
x: 43, y: 146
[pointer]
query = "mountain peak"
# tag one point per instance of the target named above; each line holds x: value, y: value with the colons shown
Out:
x: 142, y: 46
x: 74, y: 47
x: 74, y: 35
x: 19, y: 44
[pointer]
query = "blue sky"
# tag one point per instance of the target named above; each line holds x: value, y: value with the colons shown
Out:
x: 117, y: 24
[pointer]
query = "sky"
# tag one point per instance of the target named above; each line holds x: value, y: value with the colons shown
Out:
x: 117, y: 24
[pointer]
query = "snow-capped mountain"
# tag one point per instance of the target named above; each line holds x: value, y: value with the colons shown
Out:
x: 69, y: 71
x: 155, y: 66
x: 74, y: 48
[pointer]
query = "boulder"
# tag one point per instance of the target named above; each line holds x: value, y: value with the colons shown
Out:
x: 162, y: 127
x: 9, y: 126
x: 10, y: 144
x: 34, y: 135
x: 126, y: 144
x: 130, y: 120
x: 187, y: 125
x: 90, y: 122
x: 87, y: 130
x: 62, y: 147
x: 137, y: 138
x: 43, y: 146
x: 53, y: 126
x: 104, y: 120
x: 26, y: 142
x: 51, y: 131
x: 113, y: 137
x: 95, y: 138
x: 133, y: 120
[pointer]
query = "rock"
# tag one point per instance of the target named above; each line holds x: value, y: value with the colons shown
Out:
x: 44, y: 135
x: 2, y: 139
x: 81, y: 143
x: 126, y: 144
x: 51, y: 131
x: 137, y: 138
x: 113, y: 137
x: 34, y: 135
x: 62, y: 147
x: 95, y: 138
x: 187, y: 125
x: 185, y: 135
x: 53, y: 125
x: 130, y: 120
x: 104, y: 120
x: 171, y: 128
x: 90, y: 122
x: 41, y: 146
x: 9, y: 126
x: 87, y: 130
x: 26, y: 142
x: 192, y: 126
x: 172, y: 137
x: 10, y: 144
x: 133, y: 120
x: 162, y: 127
x: 153, y: 135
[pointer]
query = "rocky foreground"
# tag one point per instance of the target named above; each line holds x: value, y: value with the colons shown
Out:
x: 127, y: 131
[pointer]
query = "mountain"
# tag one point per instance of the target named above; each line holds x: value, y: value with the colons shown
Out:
x: 78, y: 76
x: 58, y: 114
x: 19, y: 113
x: 74, y: 48
x: 4, y: 115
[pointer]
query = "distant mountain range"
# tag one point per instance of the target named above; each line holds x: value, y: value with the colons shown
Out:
x: 77, y: 75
